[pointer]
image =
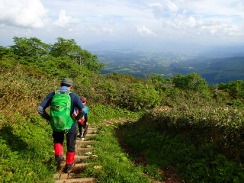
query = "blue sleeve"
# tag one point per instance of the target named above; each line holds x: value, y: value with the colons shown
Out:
x: 44, y: 104
x: 87, y: 110
x: 47, y: 101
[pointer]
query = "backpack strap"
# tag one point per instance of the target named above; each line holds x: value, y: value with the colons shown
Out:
x: 62, y: 92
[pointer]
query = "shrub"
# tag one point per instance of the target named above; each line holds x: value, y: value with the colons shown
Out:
x: 190, y: 82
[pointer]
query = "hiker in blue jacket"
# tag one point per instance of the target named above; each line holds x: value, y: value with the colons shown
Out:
x: 58, y: 136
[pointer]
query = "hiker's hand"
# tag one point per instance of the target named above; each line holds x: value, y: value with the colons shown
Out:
x: 74, y: 115
x: 87, y: 123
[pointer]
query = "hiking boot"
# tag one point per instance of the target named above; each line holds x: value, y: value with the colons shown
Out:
x: 69, y: 167
x: 79, y: 136
x: 59, y: 159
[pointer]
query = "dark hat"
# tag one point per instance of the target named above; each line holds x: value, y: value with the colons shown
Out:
x: 67, y: 81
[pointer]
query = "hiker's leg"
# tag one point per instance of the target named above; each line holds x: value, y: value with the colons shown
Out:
x: 85, y: 129
x: 79, y: 129
x: 71, y: 139
x: 58, y: 138
x: 83, y: 126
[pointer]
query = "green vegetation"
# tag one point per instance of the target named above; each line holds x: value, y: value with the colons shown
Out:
x: 62, y: 59
x: 203, y: 142
x: 110, y: 163
x: 182, y: 122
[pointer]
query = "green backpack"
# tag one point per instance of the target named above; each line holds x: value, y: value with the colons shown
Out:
x: 60, y: 118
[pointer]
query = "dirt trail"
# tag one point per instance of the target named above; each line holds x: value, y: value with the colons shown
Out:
x: 82, y: 153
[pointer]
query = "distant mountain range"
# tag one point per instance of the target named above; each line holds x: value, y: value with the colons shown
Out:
x: 216, y: 65
x: 216, y: 70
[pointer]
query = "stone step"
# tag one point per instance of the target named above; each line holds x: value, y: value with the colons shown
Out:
x: 92, y: 128
x: 75, y: 175
x: 82, y: 150
x: 77, y: 180
x: 79, y: 167
x: 81, y: 142
x: 79, y: 158
x: 87, y: 136
x: 90, y: 135
x: 65, y: 176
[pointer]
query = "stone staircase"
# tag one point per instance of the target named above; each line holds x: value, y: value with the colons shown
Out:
x: 82, y: 153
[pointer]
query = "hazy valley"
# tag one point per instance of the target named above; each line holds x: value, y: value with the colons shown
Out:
x: 215, y: 65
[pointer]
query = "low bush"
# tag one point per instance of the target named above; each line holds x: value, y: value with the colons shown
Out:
x: 204, y: 144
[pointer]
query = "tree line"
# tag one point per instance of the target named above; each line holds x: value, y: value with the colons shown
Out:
x: 63, y: 58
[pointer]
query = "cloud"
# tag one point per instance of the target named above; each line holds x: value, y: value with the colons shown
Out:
x: 144, y: 31
x: 93, y: 21
x: 66, y: 22
x: 164, y: 8
x: 24, y: 13
x: 219, y: 29
x: 188, y: 17
x: 109, y: 30
x: 157, y: 9
x: 184, y: 24
x: 99, y: 30
x: 172, y: 6
x: 239, y: 5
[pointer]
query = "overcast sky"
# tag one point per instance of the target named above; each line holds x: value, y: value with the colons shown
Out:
x: 93, y: 21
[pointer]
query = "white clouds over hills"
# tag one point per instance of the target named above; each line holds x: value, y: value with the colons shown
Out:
x: 197, y: 21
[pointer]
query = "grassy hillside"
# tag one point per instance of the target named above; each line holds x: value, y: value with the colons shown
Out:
x: 26, y: 152
x: 183, y: 125
x: 202, y: 143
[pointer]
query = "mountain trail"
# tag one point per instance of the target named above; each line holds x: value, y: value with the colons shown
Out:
x: 82, y: 152
x: 83, y: 149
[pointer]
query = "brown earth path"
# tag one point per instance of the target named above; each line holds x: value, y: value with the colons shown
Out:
x: 82, y: 152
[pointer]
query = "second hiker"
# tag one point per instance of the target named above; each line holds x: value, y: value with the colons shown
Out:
x: 83, y: 121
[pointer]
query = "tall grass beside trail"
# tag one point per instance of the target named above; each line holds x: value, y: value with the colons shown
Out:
x: 100, y: 112
x: 26, y: 152
x: 204, y: 142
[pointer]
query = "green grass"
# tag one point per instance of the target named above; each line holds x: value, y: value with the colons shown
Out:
x: 190, y: 131
x: 26, y: 143
x: 99, y: 112
x: 201, y: 150
x: 26, y: 153
x: 114, y: 164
